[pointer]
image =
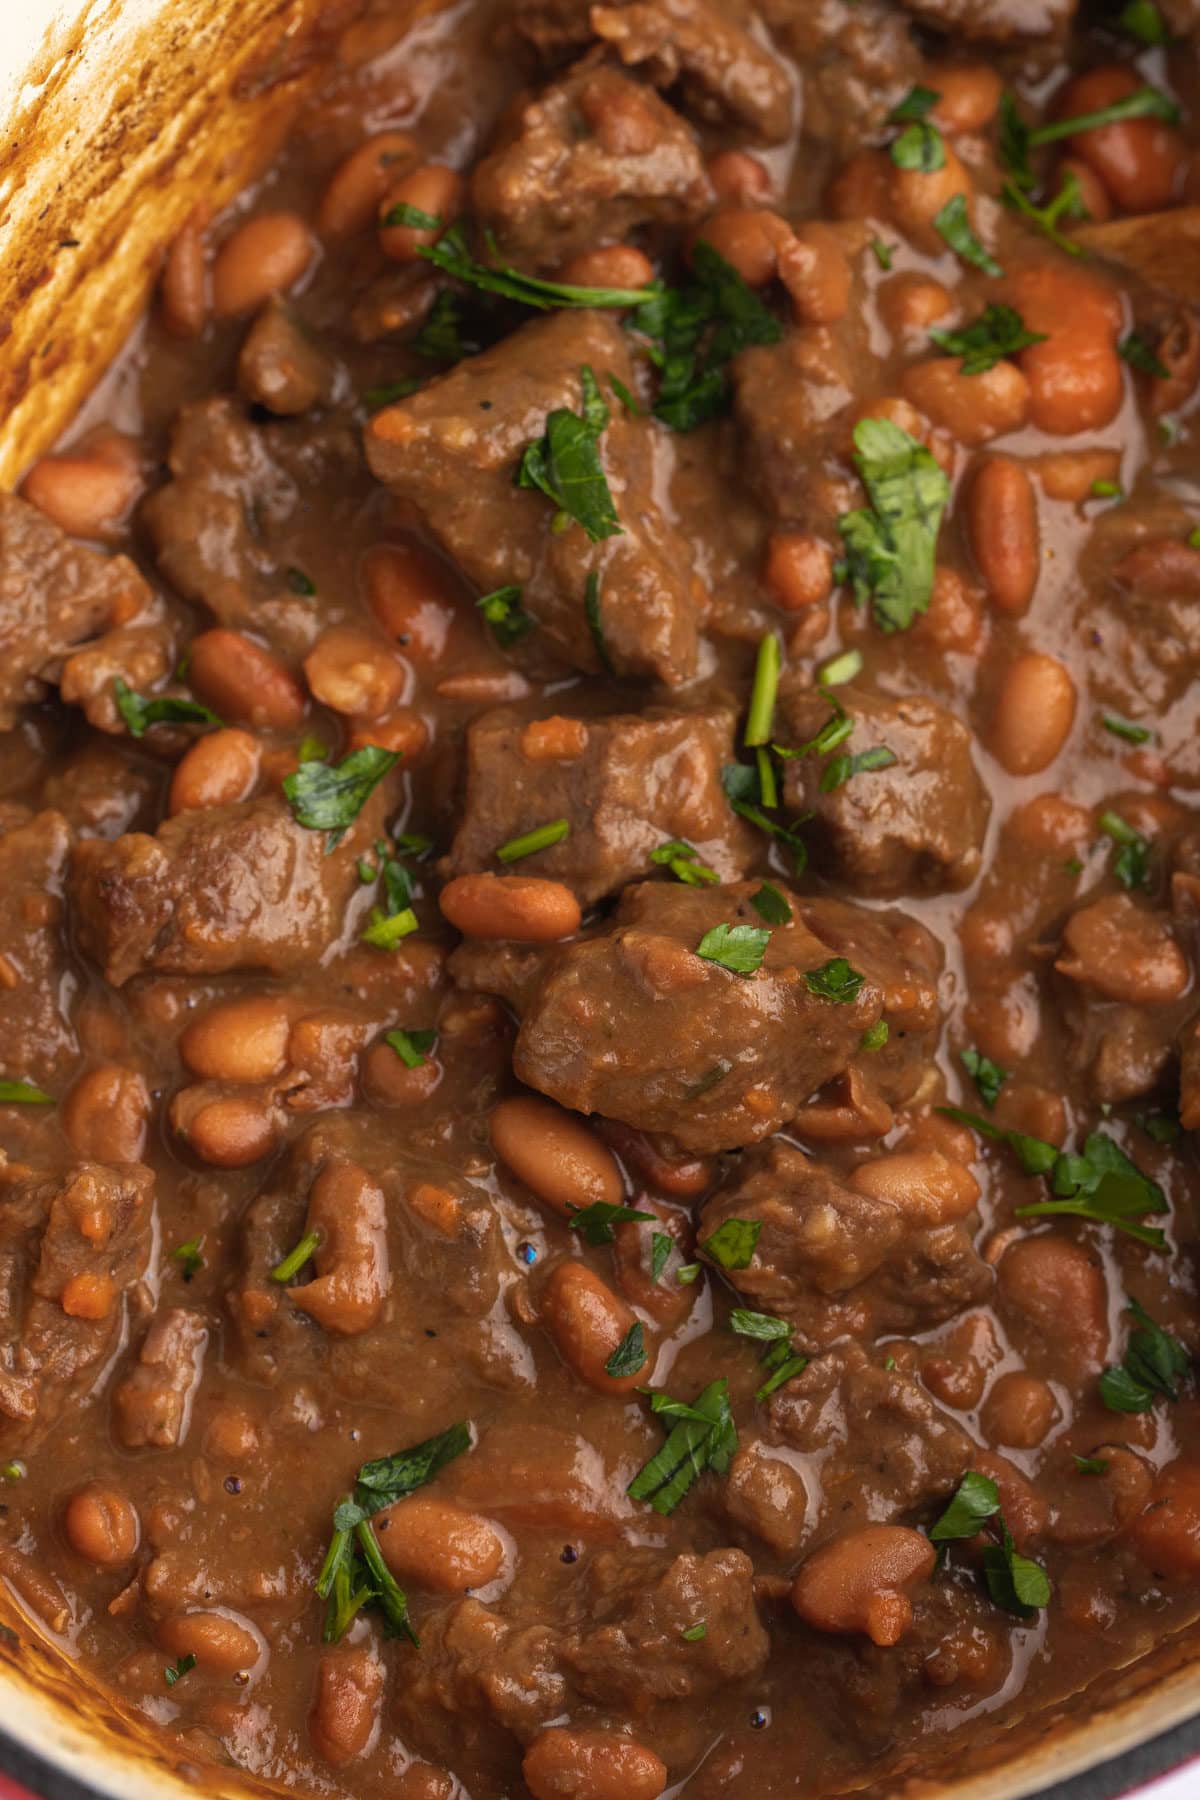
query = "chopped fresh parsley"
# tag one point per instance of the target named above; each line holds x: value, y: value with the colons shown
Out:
x: 890, y: 544
x: 999, y: 332
x: 565, y: 465
x: 953, y: 224
x: 312, y: 749
x: 694, y: 1633
x: 920, y: 147
x: 451, y: 255
x: 738, y: 948
x: 975, y: 1501
x: 505, y: 615
x: 1143, y: 103
x: 354, y: 1574
x: 1125, y: 728
x: 836, y: 729
x: 1106, y: 490
x: 1143, y: 21
x: 688, y: 1273
x: 693, y: 333
x: 1159, y: 1127
x: 700, y: 1436
x: 412, y: 1047
x: 840, y: 669
x: 440, y: 338
x: 771, y: 905
x: 875, y: 1036
x: 294, y: 1261
x: 882, y: 252
x: 1066, y: 204
x: 778, y: 1360
x: 1090, y: 1465
x: 591, y: 608
x: 1134, y: 350
x: 918, y: 103
x: 176, y: 1671
x: 542, y: 837
x: 596, y: 1221
x: 1152, y: 1367
x: 376, y: 398
x: 396, y: 920
x: 300, y: 583
x: 763, y: 1326
x: 1131, y: 857
x: 768, y: 787
x: 684, y: 863
x: 13, y: 1470
x: 1100, y: 1183
x: 1013, y: 1581
x: 23, y: 1093
x: 835, y: 980
x: 767, y: 667
x: 661, y: 1246
x: 140, y: 711
x: 325, y: 797
x: 840, y: 769
x: 743, y: 790
x: 732, y: 1244
x: 988, y: 1076
x: 189, y: 1258
x: 629, y: 1355
x: 624, y: 396
x: 404, y: 213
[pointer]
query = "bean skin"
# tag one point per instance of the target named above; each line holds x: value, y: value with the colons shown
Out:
x: 611, y: 266
x: 587, y: 1321
x: 1167, y: 1535
x: 265, y: 256
x: 1035, y: 710
x: 561, y: 1764
x: 106, y: 1113
x: 522, y: 908
x: 553, y: 1152
x: 183, y: 285
x: 218, y: 1642
x: 861, y: 1581
x: 1002, y: 525
x: 738, y: 177
x: 102, y: 1525
x: 219, y: 769
x: 356, y: 187
x: 750, y: 240
x: 973, y: 408
x: 1046, y: 1279
x: 1019, y: 1410
x: 242, y: 1040
x: 431, y: 1543
x: 1140, y: 161
x: 244, y: 682
x: 345, y: 1710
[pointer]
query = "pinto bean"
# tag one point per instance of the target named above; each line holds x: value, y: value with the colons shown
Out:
x: 348, y: 1212
x: 88, y: 491
x: 814, y: 269
x: 1026, y: 1514
x: 265, y: 256
x: 106, y: 1113
x: 1094, y: 197
x: 860, y: 189
x: 1140, y: 161
x: 102, y: 1525
x: 861, y: 1582
x: 587, y: 1322
x: 1167, y: 1535
x: 973, y: 408
x: 345, y: 1710
x: 1071, y: 474
x: 914, y: 303
x: 561, y: 1764
x: 1075, y: 375
x: 1019, y: 1410
x: 353, y: 672
x: 219, y: 769
x: 222, y: 1642
x: 968, y: 95
x: 238, y: 1040
x: 738, y: 177
x: 610, y: 266
x: 521, y: 907
x: 183, y: 284
x: 432, y: 1543
x: 229, y: 1131
x: 389, y: 1080
x: 1002, y: 525
x: 1035, y: 710
x: 412, y: 596
x: 242, y: 681
x: 750, y: 239
x: 798, y: 570
x: 954, y: 620
x: 1098, y: 1506
x: 916, y: 196
x: 1056, y: 1288
x: 555, y: 1154
x: 1161, y: 569
x: 404, y: 731
x: 350, y: 203
x: 433, y: 190
x: 1124, y: 952
x: 924, y: 1185
x: 667, y: 1301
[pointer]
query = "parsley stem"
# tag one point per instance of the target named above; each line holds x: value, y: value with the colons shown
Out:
x: 762, y: 697
x: 541, y: 838
x: 1145, y: 103
x: 767, y: 786
x: 295, y: 1259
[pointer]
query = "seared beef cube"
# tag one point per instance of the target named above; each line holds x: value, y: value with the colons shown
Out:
x: 280, y: 367
x: 995, y: 21
x: 1125, y: 987
x: 453, y: 450
x: 626, y: 784
x: 152, y: 1406
x: 789, y: 398
x: 914, y: 826
x: 585, y: 162
x: 724, y: 75
x: 232, y: 887
x: 880, y: 1447
x: 635, y: 1025
x: 102, y: 792
x: 36, y: 1035
x: 855, y: 62
x: 54, y: 595
x: 832, y: 1260
x: 71, y: 1248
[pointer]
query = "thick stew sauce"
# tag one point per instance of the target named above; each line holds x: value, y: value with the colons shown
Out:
x: 601, y: 892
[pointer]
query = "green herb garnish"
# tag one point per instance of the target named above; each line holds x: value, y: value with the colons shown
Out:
x: 176, y: 1671
x: 661, y: 1246
x: 1090, y: 1465
x: 840, y: 769
x: 953, y: 224
x: 140, y: 711
x: 1124, y: 728
x: 767, y: 667
x: 300, y: 583
x: 702, y: 1436
x: 565, y: 465
x: 451, y: 254
x: 890, y: 545
x: 325, y: 797
x: 629, y: 1355
x: 875, y: 1036
x: 999, y: 332
x: 1134, y: 349
x: 694, y: 332
x: 596, y: 1221
x: 835, y: 980
x: 1131, y: 858
x: 403, y: 213
x: 771, y: 905
x: 23, y: 1093
x: 976, y: 1500
x: 684, y: 863
x: 294, y: 1261
x: 506, y: 616
x: 732, y: 1244
x: 412, y: 1046
x: 1152, y: 1367
x: 189, y: 1258
x: 530, y: 842
x: 1143, y: 21
x: 738, y: 948
x: 918, y: 103
x: 988, y: 1076
x: 591, y: 608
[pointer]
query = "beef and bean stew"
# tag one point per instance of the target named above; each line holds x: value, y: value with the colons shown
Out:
x: 601, y: 881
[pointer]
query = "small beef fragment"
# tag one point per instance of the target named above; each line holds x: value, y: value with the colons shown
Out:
x: 71, y: 1248
x: 832, y: 1260
x: 37, y: 1038
x: 280, y: 367
x: 916, y: 826
x: 139, y: 655
x: 880, y: 1447
x: 231, y: 887
x: 634, y: 1650
x: 626, y: 783
x: 152, y: 1406
x: 477, y: 1669
x: 453, y: 450
x: 104, y: 791
x: 724, y: 75
x: 585, y: 162
x: 55, y: 594
x: 635, y: 1025
x: 995, y: 21
x: 765, y: 1494
x: 856, y: 60
x: 789, y: 399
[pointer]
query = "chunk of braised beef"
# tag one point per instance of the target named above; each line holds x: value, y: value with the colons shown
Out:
x: 586, y: 161
x: 73, y: 1246
x: 855, y: 62
x: 626, y: 784
x: 230, y: 887
x: 789, y: 399
x: 281, y: 367
x: 102, y: 791
x: 724, y: 75
x: 453, y: 450
x: 152, y: 1405
x: 915, y: 825
x: 37, y: 1036
x: 995, y: 21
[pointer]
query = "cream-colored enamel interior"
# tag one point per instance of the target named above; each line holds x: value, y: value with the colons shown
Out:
x: 121, y: 114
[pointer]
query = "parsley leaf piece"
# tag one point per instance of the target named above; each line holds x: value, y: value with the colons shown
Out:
x: 1134, y: 349
x: 300, y: 583
x: 404, y: 213
x: 597, y: 1220
x: 694, y: 1633
x: 840, y: 669
x: 738, y: 948
x: 189, y: 1258
x: 629, y: 1355
x: 296, y: 1258
x: 505, y: 615
x: 376, y: 398
x: 312, y: 749
x: 1013, y: 1581
x: 1067, y: 204
x: 688, y: 1273
x: 1014, y: 145
x: 1131, y: 859
x: 1090, y: 1465
x: 841, y: 769
x: 411, y: 1046
x: 875, y: 1036
x: 704, y: 1437
x: 918, y: 103
x: 390, y: 1478
x: 1000, y: 331
x: 767, y: 667
x: 953, y: 224
x: 624, y: 396
x: 565, y: 464
x: 920, y: 147
x: 731, y: 1245
x: 976, y: 1500
x: 325, y: 797
x: 771, y: 905
x: 835, y: 980
x: 140, y: 712
x: 661, y: 1246
x: 988, y: 1076
x: 1143, y: 103
x: 591, y: 607
x: 440, y: 338
x: 763, y: 1326
x: 1159, y: 1127
x: 1151, y: 1368
x: 882, y: 252
x: 890, y: 545
x: 386, y: 930
x: 451, y: 255
x: 176, y: 1671
x: 781, y: 1373
x: 1143, y: 21
x: 695, y: 330
x: 542, y: 837
x: 684, y: 863
x: 23, y: 1093
x: 1126, y: 729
